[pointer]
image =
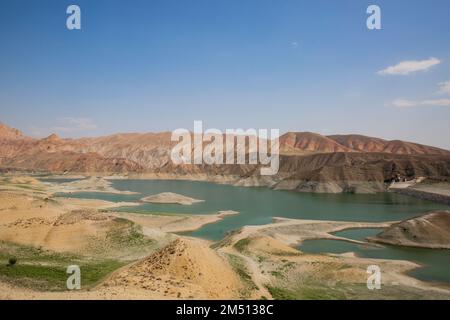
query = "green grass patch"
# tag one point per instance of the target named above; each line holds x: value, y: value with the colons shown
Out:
x: 319, y: 293
x: 305, y: 291
x: 286, y: 253
x: 239, y: 267
x: 261, y: 259
x: 46, y: 271
x: 279, y: 293
x: 277, y: 274
x: 242, y: 244
x: 128, y: 235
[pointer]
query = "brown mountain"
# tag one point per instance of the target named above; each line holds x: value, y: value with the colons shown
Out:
x: 360, y: 143
x: 309, y: 161
x: 149, y: 150
x: 54, y: 154
x: 308, y: 142
x: 64, y: 161
x: 293, y: 142
x: 370, y: 144
x: 322, y: 172
x: 8, y: 133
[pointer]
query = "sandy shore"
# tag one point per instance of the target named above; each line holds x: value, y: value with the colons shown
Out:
x: 32, y: 218
x: 174, y: 223
x: 91, y: 184
x: 277, y: 240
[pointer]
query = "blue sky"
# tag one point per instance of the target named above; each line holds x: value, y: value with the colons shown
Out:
x: 138, y: 66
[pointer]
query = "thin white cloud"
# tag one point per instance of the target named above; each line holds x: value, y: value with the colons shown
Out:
x: 402, y: 103
x: 406, y: 67
x: 438, y: 102
x: 444, y: 87
x: 75, y: 125
x: 295, y: 44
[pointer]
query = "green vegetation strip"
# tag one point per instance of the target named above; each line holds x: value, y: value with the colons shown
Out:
x: 242, y: 244
x: 239, y: 267
x: 46, y: 271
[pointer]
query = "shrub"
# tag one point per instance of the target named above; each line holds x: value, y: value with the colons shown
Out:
x: 12, y: 261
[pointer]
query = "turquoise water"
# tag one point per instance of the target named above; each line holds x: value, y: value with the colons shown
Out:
x: 436, y: 263
x: 259, y: 205
x: 359, y: 234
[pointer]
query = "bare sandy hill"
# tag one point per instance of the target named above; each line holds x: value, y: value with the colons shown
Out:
x: 186, y: 268
x: 429, y: 231
x: 31, y: 217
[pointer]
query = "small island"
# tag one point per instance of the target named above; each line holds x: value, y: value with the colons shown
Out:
x: 171, y: 198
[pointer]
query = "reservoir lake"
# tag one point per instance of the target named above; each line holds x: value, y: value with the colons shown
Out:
x: 258, y: 205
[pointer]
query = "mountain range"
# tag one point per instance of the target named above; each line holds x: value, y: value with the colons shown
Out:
x: 308, y: 161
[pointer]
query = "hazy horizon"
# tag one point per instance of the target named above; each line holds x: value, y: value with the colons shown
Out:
x: 292, y: 65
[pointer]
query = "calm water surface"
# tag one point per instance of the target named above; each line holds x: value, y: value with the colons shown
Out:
x: 436, y: 263
x: 259, y: 205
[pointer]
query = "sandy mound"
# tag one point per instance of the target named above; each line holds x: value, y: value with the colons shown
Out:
x: 429, y: 231
x: 183, y: 269
x: 270, y: 245
x: 68, y: 232
x: 24, y: 180
x: 170, y: 197
x: 77, y: 216
x: 29, y: 223
x: 12, y: 201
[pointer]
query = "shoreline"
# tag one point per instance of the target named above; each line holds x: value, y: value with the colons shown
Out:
x: 324, y: 230
x: 234, y: 180
x: 174, y: 223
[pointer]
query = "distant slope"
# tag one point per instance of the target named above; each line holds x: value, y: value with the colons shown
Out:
x: 149, y: 150
x: 8, y: 133
x: 323, y: 172
x: 309, y: 142
x: 360, y: 143
x: 53, y: 154
x: 356, y: 172
x: 308, y: 161
x: 66, y: 161
x: 429, y: 231
x: 370, y: 144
